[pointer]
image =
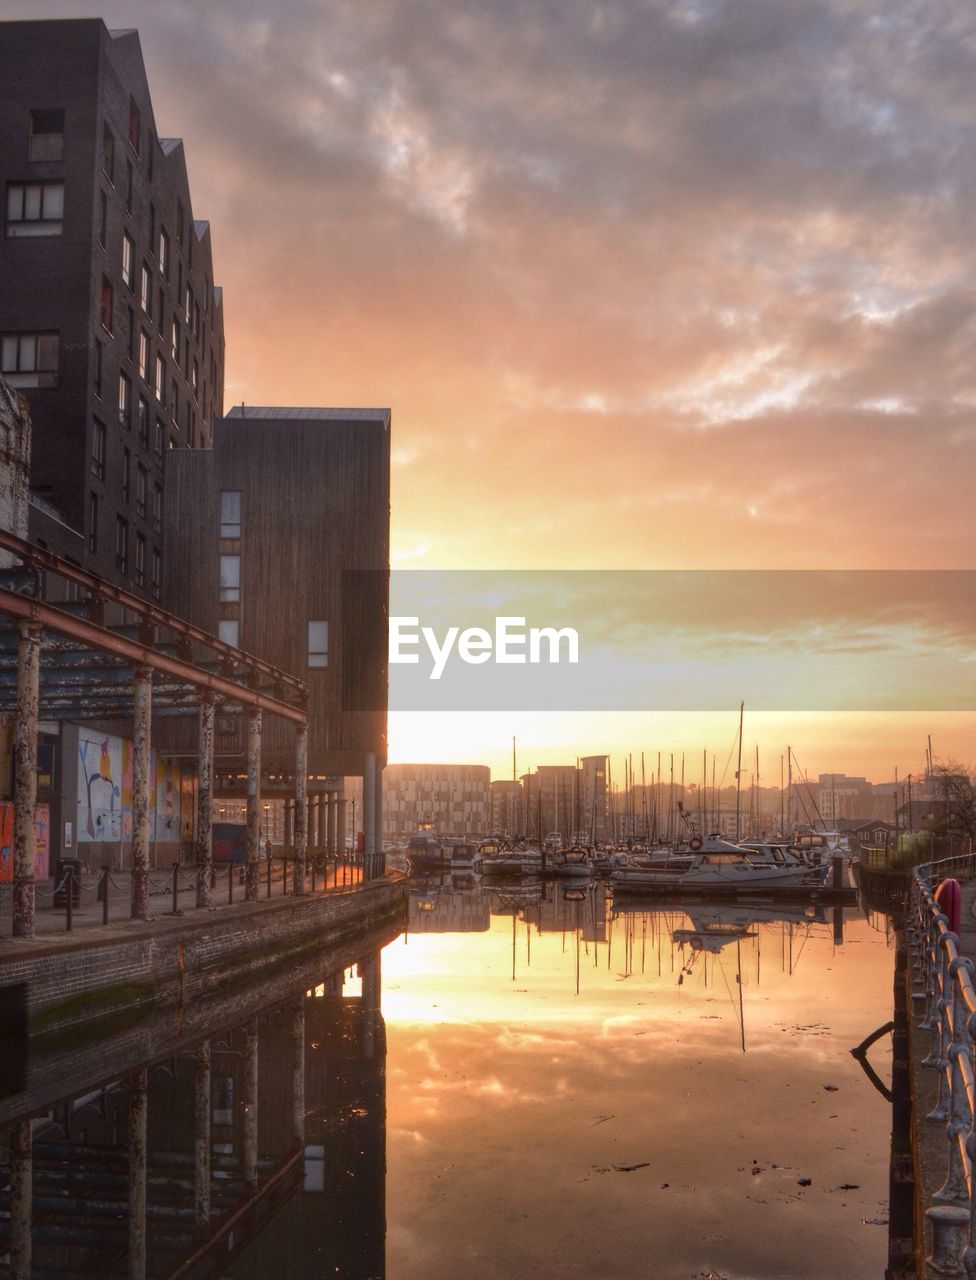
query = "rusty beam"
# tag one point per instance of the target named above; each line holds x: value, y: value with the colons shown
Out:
x: 138, y: 655
x: 39, y: 558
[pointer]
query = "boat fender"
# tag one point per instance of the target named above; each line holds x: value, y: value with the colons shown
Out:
x: 695, y: 843
x: 949, y: 897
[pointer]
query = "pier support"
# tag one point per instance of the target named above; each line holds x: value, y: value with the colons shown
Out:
x: 298, y: 1072
x: 252, y: 833
x: 301, y: 806
x: 21, y: 1200
x: 205, y: 795
x: 141, y: 768
x: 251, y: 1104
x: 25, y: 776
x: 138, y: 1116
x: 201, y: 1135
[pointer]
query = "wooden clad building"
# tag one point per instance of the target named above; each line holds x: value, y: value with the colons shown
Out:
x: 277, y: 539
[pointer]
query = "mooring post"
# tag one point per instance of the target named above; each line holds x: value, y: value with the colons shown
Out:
x: 298, y: 1071
x: 205, y: 794
x: 141, y: 762
x: 253, y: 816
x: 25, y: 776
x: 251, y: 1104
x: 21, y: 1200
x: 301, y: 805
x: 201, y: 1135
x: 138, y: 1113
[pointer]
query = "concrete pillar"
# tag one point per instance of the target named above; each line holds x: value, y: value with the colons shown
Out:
x: 369, y: 813
x: 141, y: 782
x: 298, y: 1072
x: 202, y: 1142
x: 21, y: 1200
x: 290, y: 825
x: 251, y: 1104
x: 300, y: 816
x: 332, y: 806
x: 253, y: 817
x: 138, y: 1115
x: 205, y: 795
x: 25, y: 775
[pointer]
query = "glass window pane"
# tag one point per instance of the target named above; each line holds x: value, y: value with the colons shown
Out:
x: 54, y: 200
x: 228, y: 630
x: 9, y: 354
x: 32, y: 202
x: 15, y: 197
x: 47, y: 351
x: 28, y: 353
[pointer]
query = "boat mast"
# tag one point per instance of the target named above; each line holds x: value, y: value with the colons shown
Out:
x: 738, y: 778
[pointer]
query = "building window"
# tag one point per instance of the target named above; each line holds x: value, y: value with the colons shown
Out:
x: 30, y: 359
x: 135, y: 127
x: 229, y: 630
x: 318, y: 644
x: 196, y: 377
x: 107, y: 305
x: 108, y: 154
x: 46, y: 138
x: 98, y: 449
x: 144, y: 422
x: 93, y: 522
x: 140, y: 568
x: 128, y: 186
x: 163, y: 253
x: 230, y: 579
x: 142, y: 487
x: 128, y: 259
x: 230, y: 513
x: 35, y: 208
x: 143, y: 357
x: 159, y: 383
x: 126, y: 472
x: 122, y: 544
x: 102, y: 217
x: 158, y: 439
x: 97, y: 363
x: 160, y: 309
x: 157, y: 571
x: 174, y: 400
x: 125, y: 401
x: 188, y: 310
x: 145, y: 289
x: 175, y: 340
x: 157, y: 511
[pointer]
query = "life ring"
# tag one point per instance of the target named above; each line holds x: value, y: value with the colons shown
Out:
x: 949, y: 897
x: 695, y: 843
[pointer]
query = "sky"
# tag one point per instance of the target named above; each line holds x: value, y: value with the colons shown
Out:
x: 646, y: 286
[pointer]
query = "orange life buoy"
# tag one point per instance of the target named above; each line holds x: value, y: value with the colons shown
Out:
x: 695, y: 843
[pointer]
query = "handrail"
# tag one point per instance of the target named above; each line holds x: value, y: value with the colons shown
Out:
x: 949, y: 1014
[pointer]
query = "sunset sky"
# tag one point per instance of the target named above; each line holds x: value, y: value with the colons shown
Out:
x: 646, y: 285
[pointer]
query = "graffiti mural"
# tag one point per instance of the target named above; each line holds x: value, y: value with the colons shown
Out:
x: 100, y: 778
x: 42, y: 846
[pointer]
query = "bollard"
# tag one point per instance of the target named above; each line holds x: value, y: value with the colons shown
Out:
x: 176, y: 888
x: 70, y: 885
x: 950, y: 1228
x: 837, y: 866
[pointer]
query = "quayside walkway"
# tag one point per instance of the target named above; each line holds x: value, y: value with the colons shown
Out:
x: 943, y: 1038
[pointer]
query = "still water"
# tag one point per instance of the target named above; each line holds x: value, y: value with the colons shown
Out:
x: 527, y: 1083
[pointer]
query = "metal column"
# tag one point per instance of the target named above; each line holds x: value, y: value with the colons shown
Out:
x: 290, y: 825
x: 141, y: 762
x: 253, y: 817
x: 25, y: 776
x: 201, y: 1136
x: 205, y: 795
x: 138, y: 1115
x: 341, y: 824
x: 301, y: 803
x: 369, y: 814
x: 21, y: 1200
x: 298, y: 1072
x: 251, y: 1104
x: 330, y: 838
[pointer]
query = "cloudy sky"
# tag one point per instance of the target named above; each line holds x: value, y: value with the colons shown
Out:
x: 647, y: 285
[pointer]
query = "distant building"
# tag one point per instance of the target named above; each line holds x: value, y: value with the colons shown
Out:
x: 507, y: 806
x: 593, y: 797
x: 110, y: 322
x: 456, y: 798
x: 840, y: 796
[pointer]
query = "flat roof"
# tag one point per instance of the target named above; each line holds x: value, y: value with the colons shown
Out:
x: 290, y: 413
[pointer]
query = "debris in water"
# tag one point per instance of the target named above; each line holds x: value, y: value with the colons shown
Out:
x: 831, y: 1088
x: 629, y: 1168
x: 849, y: 1186
x: 804, y: 1182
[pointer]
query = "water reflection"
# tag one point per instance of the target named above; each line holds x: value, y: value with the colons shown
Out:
x: 256, y: 1151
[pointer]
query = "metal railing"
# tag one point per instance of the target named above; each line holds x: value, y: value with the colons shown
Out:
x: 948, y: 1007
x: 275, y: 877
